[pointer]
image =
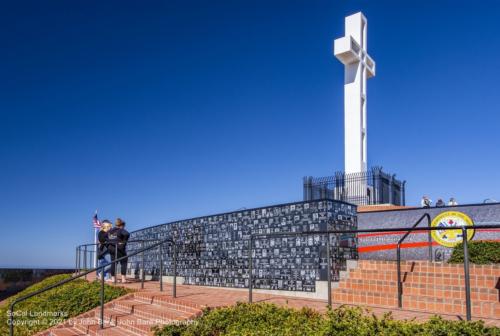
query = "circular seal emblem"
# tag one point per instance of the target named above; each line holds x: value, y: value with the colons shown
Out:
x: 449, y: 219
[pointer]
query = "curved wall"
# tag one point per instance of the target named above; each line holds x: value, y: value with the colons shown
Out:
x: 214, y: 249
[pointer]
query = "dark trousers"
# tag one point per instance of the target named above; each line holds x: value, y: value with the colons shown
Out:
x: 123, y: 263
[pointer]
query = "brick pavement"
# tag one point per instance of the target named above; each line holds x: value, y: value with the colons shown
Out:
x: 370, y: 285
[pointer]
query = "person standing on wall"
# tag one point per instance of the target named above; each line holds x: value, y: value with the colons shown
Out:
x: 117, y: 238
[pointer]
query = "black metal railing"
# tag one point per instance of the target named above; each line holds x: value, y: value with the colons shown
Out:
x: 465, y: 251
x: 158, y: 244
x: 86, y: 249
x: 373, y: 186
x: 398, y: 253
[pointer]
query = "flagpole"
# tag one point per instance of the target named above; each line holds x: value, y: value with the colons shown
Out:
x: 95, y: 244
x: 95, y: 247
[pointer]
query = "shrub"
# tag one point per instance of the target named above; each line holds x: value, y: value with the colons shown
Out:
x: 263, y: 319
x: 69, y: 300
x: 480, y: 252
x: 250, y: 319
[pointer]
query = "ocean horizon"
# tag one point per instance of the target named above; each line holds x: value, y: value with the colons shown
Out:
x: 33, y: 267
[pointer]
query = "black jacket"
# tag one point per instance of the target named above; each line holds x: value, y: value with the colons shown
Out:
x: 102, y: 248
x: 118, y: 237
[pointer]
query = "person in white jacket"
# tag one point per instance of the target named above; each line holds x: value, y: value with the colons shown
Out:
x: 425, y: 202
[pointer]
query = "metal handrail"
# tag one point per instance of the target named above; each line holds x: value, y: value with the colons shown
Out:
x: 79, y: 247
x: 62, y: 282
x: 465, y: 249
x: 398, y: 253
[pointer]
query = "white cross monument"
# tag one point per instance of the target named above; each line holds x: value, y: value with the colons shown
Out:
x: 351, y: 51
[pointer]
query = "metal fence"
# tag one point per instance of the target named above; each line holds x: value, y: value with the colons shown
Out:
x: 365, y: 188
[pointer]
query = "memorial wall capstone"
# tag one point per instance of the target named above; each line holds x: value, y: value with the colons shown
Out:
x: 213, y: 250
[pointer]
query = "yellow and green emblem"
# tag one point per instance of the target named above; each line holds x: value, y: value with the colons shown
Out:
x: 447, y: 220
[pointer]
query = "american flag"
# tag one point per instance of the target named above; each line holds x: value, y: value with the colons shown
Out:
x: 96, y: 221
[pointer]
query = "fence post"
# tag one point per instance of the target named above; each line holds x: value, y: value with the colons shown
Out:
x: 307, y: 188
x: 403, y: 197
x: 76, y: 260
x: 101, y: 319
x: 250, y: 270
x: 466, y: 274
x: 96, y: 251
x: 400, y: 284
x: 142, y: 265
x: 429, y: 236
x: 174, y: 289
x: 391, y: 190
x: 161, y: 267
x: 85, y: 259
x: 329, y: 270
x: 115, y: 263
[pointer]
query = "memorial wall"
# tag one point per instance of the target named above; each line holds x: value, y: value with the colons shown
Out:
x: 213, y: 250
x: 382, y: 246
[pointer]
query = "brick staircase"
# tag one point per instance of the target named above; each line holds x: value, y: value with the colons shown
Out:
x: 427, y: 288
x: 131, y: 315
x: 430, y: 287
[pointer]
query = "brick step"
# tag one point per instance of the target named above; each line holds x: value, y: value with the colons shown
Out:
x: 132, y: 315
x: 458, y: 292
x: 68, y: 331
x: 489, y: 284
x: 441, y: 291
x: 90, y: 326
x: 153, y: 311
x: 85, y: 324
x: 369, y: 285
x: 417, y: 302
x: 117, y: 331
x: 426, y: 267
x: 421, y: 271
x: 451, y: 306
x: 381, y: 268
x: 372, y: 285
x: 132, y: 321
x: 483, y: 281
x: 169, y: 302
x: 372, y: 275
x: 351, y: 296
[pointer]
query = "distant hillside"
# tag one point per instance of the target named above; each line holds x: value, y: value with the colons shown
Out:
x: 14, y: 280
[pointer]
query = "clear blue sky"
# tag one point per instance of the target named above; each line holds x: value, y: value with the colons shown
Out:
x: 156, y: 111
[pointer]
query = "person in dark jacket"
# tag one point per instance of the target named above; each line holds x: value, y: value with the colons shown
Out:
x: 440, y: 203
x: 102, y: 248
x: 117, y: 242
